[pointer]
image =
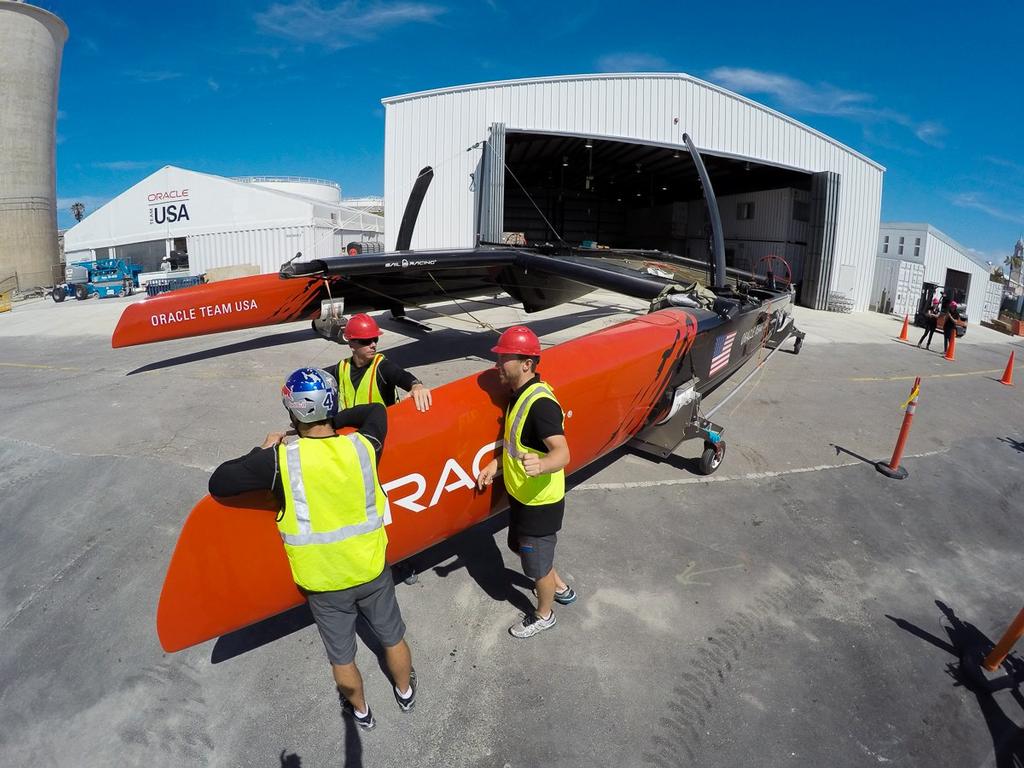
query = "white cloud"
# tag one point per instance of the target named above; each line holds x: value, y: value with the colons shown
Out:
x: 346, y: 24
x: 125, y: 165
x: 214, y: 85
x: 158, y: 76
x: 973, y: 201
x: 823, y: 99
x: 631, y: 62
x: 1004, y: 163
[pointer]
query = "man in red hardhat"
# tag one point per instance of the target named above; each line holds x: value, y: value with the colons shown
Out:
x: 369, y: 377
x: 533, y: 458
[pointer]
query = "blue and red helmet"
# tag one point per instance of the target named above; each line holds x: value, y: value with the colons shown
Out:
x: 310, y: 395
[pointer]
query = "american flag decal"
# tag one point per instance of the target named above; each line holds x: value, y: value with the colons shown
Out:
x: 721, y: 352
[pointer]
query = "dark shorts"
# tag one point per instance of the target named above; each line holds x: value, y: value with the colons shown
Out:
x: 336, y: 612
x: 537, y: 554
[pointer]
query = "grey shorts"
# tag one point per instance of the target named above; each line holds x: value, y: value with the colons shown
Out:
x: 537, y: 554
x: 335, y: 614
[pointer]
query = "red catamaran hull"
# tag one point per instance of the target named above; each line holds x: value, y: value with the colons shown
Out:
x: 229, y: 570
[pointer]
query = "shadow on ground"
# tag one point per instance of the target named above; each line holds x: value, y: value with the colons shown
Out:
x: 968, y: 646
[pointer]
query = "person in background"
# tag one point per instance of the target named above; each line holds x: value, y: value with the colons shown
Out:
x: 949, y: 320
x: 931, y: 318
x: 369, y: 377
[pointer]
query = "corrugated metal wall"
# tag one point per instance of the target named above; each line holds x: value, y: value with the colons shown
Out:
x: 993, y: 297
x: 938, y: 252
x: 267, y: 248
x: 897, y: 287
x: 940, y: 256
x: 436, y: 128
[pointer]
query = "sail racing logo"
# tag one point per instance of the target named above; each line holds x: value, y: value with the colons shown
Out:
x: 168, y: 206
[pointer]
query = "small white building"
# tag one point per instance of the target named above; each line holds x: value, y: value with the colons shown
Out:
x: 916, y: 260
x: 214, y: 221
x: 601, y: 158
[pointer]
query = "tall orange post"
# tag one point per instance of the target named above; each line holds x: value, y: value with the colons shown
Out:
x: 1010, y: 637
x: 904, y: 336
x: 1008, y: 373
x: 951, y: 349
x: 893, y: 468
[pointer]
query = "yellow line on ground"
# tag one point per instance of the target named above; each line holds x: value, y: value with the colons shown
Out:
x: 926, y: 376
x: 41, y: 367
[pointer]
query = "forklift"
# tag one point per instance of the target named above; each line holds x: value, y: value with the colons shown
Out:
x: 946, y: 295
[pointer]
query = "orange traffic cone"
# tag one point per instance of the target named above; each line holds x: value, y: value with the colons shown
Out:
x: 951, y: 349
x: 1008, y: 373
x: 906, y: 327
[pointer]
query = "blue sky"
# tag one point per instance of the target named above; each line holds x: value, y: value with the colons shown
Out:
x: 934, y: 92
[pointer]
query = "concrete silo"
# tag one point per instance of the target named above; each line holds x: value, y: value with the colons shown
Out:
x: 31, y: 42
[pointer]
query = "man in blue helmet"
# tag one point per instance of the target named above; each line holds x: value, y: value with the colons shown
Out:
x: 332, y: 518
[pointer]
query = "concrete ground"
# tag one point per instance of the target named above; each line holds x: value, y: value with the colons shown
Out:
x: 795, y: 608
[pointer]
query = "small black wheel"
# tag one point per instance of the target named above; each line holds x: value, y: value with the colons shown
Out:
x: 58, y: 294
x: 712, y: 457
x: 797, y: 345
x: 81, y: 292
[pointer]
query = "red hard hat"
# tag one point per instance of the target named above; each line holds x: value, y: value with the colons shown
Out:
x: 361, y: 327
x: 518, y: 340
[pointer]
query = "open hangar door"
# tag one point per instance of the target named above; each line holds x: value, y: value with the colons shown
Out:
x: 572, y: 190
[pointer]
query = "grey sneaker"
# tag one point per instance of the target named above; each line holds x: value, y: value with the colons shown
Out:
x: 406, y: 705
x: 531, y: 625
x: 366, y: 722
x: 566, y: 596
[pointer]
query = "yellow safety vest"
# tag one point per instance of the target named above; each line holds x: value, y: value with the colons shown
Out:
x: 532, y: 491
x: 334, y: 512
x: 368, y: 391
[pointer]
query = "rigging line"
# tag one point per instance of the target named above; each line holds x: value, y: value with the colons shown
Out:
x: 481, y: 323
x: 529, y: 197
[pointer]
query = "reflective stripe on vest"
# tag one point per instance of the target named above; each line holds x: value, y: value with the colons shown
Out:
x: 374, y: 519
x: 332, y: 526
x: 532, y: 491
x: 368, y: 391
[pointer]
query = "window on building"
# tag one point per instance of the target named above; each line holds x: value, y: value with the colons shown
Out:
x: 744, y: 211
x: 885, y: 244
x: 900, y: 251
x: 801, y: 211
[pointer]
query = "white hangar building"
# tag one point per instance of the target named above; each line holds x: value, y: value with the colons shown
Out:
x: 601, y: 158
x: 219, y: 222
x: 917, y: 261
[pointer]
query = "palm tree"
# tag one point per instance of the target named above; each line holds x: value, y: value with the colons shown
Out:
x: 78, y: 211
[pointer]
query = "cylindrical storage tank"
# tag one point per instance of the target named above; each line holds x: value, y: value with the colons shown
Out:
x: 317, y: 189
x: 31, y: 42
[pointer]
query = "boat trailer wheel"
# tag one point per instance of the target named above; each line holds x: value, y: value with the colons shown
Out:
x: 712, y: 457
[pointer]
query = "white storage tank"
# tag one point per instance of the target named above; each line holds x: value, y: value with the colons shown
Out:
x: 315, y: 189
x: 31, y: 45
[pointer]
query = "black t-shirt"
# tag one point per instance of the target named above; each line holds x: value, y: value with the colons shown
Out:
x: 257, y: 470
x: 389, y: 376
x: 544, y: 419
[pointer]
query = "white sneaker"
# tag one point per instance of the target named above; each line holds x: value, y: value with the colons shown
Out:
x: 531, y: 625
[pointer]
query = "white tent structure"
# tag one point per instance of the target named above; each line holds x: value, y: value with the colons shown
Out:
x: 221, y: 222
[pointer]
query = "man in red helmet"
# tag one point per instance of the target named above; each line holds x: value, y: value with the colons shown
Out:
x: 533, y: 458
x: 368, y: 376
